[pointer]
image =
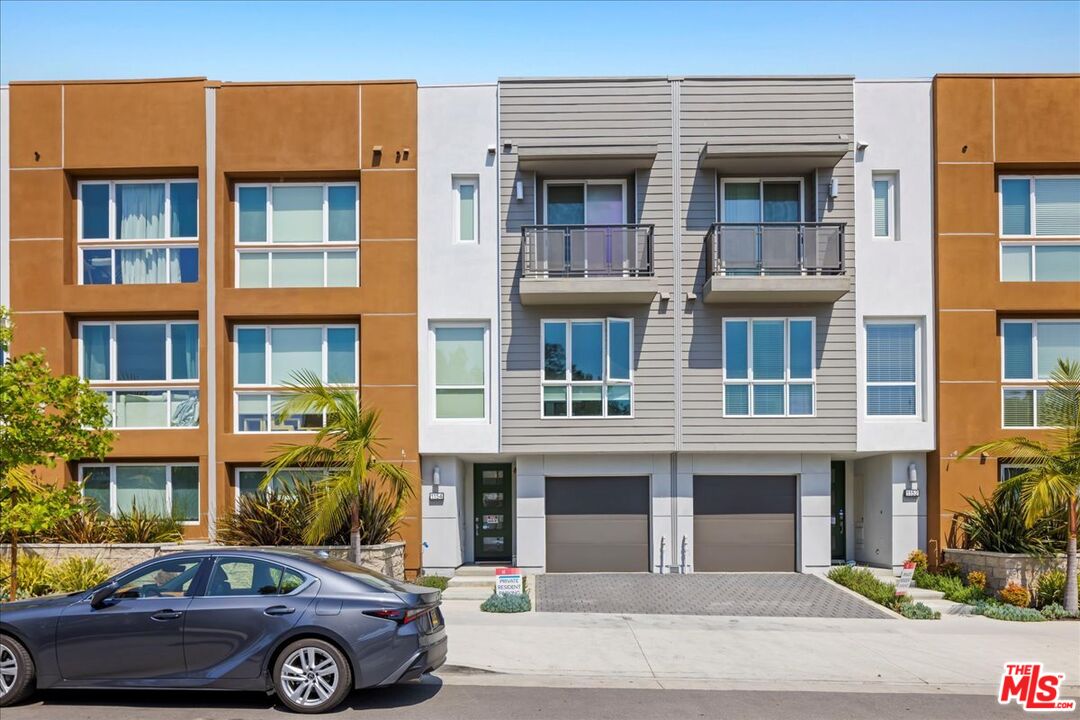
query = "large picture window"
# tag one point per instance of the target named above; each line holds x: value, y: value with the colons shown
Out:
x: 148, y: 371
x: 1040, y: 206
x: 1030, y: 352
x: 138, y: 232
x: 297, y: 235
x: 460, y: 372
x: 247, y: 480
x: 769, y: 367
x: 892, y: 368
x: 587, y: 368
x: 268, y: 357
x: 170, y: 490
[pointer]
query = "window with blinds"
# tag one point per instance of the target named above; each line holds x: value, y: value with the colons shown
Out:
x: 1042, y: 206
x: 892, y: 369
x: 460, y: 372
x: 885, y: 206
x: 1045, y: 261
x: 769, y: 367
x: 1031, y: 349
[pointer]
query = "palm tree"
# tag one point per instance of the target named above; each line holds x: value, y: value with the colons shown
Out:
x: 360, y: 488
x: 1052, y: 479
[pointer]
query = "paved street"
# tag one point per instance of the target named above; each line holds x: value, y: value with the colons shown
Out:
x: 731, y: 594
x: 436, y: 701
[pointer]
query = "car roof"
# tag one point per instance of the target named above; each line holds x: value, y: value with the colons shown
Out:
x: 296, y: 556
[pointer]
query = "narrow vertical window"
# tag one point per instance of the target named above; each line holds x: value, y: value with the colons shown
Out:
x: 885, y: 206
x: 466, y: 209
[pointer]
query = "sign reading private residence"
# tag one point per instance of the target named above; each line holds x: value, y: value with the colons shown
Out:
x: 508, y: 581
x: 906, y: 575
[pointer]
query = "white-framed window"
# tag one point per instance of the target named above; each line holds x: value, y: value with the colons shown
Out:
x: 587, y: 368
x: 884, y: 184
x: 147, y: 369
x: 1046, y: 261
x: 1039, y: 206
x: 893, y: 368
x: 138, y: 232
x: 585, y: 202
x: 466, y: 215
x: 268, y: 357
x: 291, y: 235
x: 165, y: 489
x: 460, y: 351
x: 246, y: 480
x: 1030, y: 350
x: 761, y: 200
x: 1009, y: 470
x: 769, y: 367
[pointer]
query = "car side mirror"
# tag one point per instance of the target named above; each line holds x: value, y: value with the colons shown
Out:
x: 103, y: 593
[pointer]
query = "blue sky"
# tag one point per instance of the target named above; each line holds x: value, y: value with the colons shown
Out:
x: 469, y: 42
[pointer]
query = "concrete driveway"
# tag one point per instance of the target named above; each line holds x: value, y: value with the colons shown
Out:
x: 738, y: 594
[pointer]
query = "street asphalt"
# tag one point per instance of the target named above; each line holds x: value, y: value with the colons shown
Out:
x: 432, y: 700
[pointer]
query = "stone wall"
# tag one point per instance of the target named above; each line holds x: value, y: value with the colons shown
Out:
x: 388, y: 559
x: 1003, y: 568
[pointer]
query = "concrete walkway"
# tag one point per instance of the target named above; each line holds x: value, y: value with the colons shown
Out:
x: 964, y: 655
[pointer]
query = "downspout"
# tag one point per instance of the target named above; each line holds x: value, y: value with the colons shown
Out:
x: 209, y: 322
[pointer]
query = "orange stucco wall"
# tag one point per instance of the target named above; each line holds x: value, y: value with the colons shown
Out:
x: 985, y: 127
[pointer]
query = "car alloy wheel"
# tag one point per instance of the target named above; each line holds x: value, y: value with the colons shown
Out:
x: 9, y: 670
x: 16, y: 671
x: 312, y: 676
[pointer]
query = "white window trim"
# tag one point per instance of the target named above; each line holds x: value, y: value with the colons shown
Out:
x: 113, y: 243
x: 169, y: 382
x: 1032, y: 259
x: 266, y: 388
x: 456, y: 181
x: 110, y: 394
x: 1035, y: 384
x: 918, y: 383
x: 890, y: 177
x: 724, y: 182
x: 603, y: 383
x: 1031, y: 205
x: 1036, y: 390
x: 290, y: 250
x: 113, y: 509
x: 787, y: 380
x: 585, y: 197
x: 254, y: 468
x: 433, y: 340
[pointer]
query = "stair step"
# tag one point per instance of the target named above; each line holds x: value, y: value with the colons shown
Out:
x: 467, y: 593
x: 471, y: 581
x: 475, y: 571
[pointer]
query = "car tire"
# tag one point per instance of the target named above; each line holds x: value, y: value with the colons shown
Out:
x: 311, y: 676
x: 16, y: 671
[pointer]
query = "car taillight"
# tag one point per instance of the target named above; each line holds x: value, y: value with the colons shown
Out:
x: 402, y: 616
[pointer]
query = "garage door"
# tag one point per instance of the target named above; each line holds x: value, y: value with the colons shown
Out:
x: 597, y: 524
x: 744, y: 523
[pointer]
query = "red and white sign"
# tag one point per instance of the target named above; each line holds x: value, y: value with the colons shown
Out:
x: 904, y: 582
x: 1033, y: 689
x: 508, y: 580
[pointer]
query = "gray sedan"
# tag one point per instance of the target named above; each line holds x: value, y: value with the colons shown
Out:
x: 307, y: 627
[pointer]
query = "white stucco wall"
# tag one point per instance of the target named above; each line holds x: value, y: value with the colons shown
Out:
x: 457, y: 281
x: 895, y: 277
x: 888, y: 525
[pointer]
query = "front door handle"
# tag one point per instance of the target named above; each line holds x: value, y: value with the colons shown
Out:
x: 279, y: 610
x: 166, y: 615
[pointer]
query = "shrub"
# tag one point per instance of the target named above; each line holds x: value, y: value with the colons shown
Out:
x: 143, y: 526
x: 997, y: 611
x: 977, y: 579
x: 951, y: 585
x: 919, y: 558
x: 87, y: 525
x: 432, y: 581
x: 1015, y: 594
x: 76, y: 574
x: 33, y: 578
x: 1054, y: 611
x: 918, y: 611
x: 1049, y: 588
x: 273, y: 519
x: 951, y: 569
x: 997, y: 524
x: 863, y: 582
x: 509, y: 603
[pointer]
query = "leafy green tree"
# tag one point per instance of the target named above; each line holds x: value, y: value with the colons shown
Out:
x: 361, y: 489
x: 1051, y: 481
x: 44, y: 419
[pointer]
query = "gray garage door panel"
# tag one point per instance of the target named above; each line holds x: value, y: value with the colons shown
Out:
x: 597, y: 524
x: 744, y: 523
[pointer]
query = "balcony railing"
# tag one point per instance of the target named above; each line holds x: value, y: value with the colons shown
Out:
x: 579, y: 251
x: 748, y: 249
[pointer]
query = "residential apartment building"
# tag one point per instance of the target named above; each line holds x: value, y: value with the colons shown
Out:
x: 1007, y: 212
x: 188, y: 246
x: 682, y: 357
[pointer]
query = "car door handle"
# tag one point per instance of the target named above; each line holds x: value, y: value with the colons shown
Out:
x: 166, y: 615
x: 279, y: 610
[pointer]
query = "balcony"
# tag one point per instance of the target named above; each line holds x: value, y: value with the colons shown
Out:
x: 587, y: 264
x: 776, y: 263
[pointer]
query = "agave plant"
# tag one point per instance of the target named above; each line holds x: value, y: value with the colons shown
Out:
x: 361, y: 490
x: 138, y: 525
x: 997, y: 524
x: 273, y: 519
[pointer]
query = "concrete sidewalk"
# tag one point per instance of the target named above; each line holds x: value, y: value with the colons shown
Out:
x: 962, y: 655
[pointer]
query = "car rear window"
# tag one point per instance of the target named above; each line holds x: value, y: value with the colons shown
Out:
x: 361, y: 574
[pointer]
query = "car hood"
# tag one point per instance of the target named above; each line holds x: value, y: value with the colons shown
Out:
x: 41, y: 602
